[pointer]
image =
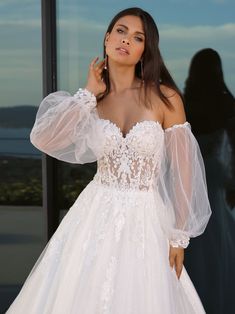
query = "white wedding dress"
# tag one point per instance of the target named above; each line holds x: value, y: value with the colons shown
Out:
x: 110, y: 253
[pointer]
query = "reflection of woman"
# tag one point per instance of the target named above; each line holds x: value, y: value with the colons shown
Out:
x: 120, y: 247
x: 209, y: 103
x: 210, y: 110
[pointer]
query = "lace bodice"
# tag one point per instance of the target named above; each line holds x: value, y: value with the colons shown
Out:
x: 166, y: 162
x: 133, y: 161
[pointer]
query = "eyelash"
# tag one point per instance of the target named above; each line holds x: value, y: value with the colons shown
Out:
x: 120, y: 31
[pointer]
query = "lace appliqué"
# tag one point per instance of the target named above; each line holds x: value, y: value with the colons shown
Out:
x: 119, y: 223
x: 130, y: 162
x: 107, y: 287
x: 138, y: 237
x: 94, y: 239
x: 86, y: 98
x: 185, y: 124
x: 183, y: 242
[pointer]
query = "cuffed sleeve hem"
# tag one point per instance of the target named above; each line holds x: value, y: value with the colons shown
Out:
x: 184, y: 242
x: 88, y: 98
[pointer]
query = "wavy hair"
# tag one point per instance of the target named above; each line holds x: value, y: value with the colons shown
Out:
x: 154, y: 71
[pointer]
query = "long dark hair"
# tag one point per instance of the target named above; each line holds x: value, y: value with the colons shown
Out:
x: 205, y: 75
x: 154, y: 69
x: 208, y: 102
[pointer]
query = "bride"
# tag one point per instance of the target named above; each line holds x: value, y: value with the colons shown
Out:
x: 120, y: 248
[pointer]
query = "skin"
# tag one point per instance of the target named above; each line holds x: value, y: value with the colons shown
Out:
x: 121, y: 105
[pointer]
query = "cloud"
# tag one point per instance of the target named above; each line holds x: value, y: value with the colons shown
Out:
x: 20, y: 23
x: 200, y: 32
x: 80, y: 39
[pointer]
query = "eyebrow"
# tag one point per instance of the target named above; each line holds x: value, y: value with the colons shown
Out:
x: 128, y: 28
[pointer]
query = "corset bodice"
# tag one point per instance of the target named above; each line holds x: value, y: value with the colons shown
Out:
x: 133, y: 161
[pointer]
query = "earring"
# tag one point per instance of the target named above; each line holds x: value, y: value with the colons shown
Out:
x: 106, y: 62
x: 142, y: 70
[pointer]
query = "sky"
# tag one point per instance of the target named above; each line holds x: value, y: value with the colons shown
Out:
x: 185, y: 27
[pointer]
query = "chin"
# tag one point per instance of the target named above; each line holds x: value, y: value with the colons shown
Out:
x: 122, y: 60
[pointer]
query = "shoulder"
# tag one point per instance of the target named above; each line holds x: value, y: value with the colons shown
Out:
x: 175, y: 114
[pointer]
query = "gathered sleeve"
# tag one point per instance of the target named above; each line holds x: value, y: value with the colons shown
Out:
x: 64, y: 127
x: 182, y: 186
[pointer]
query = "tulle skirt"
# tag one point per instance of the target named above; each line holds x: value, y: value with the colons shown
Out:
x: 109, y: 255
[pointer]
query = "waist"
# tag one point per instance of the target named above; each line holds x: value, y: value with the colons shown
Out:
x: 122, y: 186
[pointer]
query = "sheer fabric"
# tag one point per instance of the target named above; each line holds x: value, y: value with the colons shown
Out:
x: 112, y: 246
x: 182, y: 186
x: 65, y: 129
x: 167, y: 162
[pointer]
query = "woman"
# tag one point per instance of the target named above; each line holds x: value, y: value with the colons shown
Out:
x: 120, y: 248
x: 210, y: 109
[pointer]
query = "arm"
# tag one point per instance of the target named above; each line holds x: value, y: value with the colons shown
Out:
x: 184, y: 182
x: 64, y: 127
x: 61, y: 124
x: 58, y: 115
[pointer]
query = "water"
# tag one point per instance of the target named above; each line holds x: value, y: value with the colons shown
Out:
x: 15, y: 142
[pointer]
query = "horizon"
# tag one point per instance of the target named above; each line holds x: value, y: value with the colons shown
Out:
x: 191, y: 26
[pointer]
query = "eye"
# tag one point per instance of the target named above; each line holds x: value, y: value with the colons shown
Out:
x: 119, y: 30
x: 139, y: 39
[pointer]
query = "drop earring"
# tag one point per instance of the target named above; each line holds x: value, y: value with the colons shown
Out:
x: 106, y: 62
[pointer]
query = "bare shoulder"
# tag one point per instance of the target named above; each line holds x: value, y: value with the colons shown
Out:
x: 176, y: 114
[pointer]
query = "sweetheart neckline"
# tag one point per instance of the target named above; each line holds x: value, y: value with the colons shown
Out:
x: 133, y: 126
x: 157, y: 123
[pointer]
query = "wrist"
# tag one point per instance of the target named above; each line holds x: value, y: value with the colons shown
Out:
x: 91, y: 90
x: 182, y: 242
x: 84, y: 96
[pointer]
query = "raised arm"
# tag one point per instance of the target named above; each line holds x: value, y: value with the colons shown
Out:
x: 61, y: 124
x: 65, y: 126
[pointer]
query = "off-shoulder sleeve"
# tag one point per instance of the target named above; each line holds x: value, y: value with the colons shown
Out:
x: 182, y: 186
x: 64, y: 126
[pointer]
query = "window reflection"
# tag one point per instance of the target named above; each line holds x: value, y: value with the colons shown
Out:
x: 210, y: 108
x: 21, y: 223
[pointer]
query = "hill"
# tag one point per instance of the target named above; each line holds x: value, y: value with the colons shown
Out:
x: 18, y: 116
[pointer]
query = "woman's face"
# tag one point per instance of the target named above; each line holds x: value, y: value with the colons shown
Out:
x: 125, y: 44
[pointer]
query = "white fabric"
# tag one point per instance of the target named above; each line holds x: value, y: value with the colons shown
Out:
x: 182, y: 185
x: 63, y: 123
x: 110, y: 253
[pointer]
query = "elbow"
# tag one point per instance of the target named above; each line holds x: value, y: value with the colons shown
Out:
x: 37, y: 142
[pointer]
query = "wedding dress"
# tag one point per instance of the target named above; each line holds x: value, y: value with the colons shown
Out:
x: 110, y: 253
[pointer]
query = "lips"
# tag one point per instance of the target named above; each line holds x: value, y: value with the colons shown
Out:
x: 124, y: 50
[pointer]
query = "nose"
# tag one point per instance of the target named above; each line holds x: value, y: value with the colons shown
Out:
x: 125, y: 41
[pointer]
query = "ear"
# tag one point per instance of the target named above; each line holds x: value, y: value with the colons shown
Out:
x: 106, y: 37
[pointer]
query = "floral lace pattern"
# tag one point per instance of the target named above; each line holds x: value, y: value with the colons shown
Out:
x: 185, y: 124
x: 107, y: 288
x: 129, y: 162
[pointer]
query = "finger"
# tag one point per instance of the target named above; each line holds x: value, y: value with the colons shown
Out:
x: 93, y: 62
x: 172, y: 260
x: 99, y: 71
x: 100, y: 65
x: 179, y: 266
x: 178, y: 272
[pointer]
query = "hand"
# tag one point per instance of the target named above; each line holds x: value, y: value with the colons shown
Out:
x: 95, y: 84
x: 176, y: 257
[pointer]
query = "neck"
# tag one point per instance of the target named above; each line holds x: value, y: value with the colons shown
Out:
x: 121, y: 77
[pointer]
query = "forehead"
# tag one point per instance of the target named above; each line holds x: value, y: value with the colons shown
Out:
x: 132, y: 22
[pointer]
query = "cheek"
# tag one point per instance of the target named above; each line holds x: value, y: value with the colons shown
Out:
x: 138, y: 51
x: 111, y: 44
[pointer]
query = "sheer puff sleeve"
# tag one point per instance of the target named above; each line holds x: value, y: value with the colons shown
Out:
x: 64, y: 127
x: 182, y: 186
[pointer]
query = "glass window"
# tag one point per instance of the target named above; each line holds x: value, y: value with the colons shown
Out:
x: 22, y: 223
